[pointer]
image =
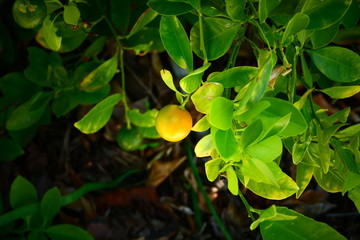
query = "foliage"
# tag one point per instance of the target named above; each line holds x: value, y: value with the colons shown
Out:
x: 252, y: 114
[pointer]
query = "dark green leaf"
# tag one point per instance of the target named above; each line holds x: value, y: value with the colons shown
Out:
x: 120, y: 14
x: 219, y: 34
x: 28, y: 113
x: 322, y: 37
x: 297, y: 23
x: 9, y: 149
x: 236, y: 8
x: 22, y: 193
x: 265, y: 7
x: 167, y: 7
x: 69, y: 232
x: 176, y: 41
x: 326, y: 13
x: 50, y: 204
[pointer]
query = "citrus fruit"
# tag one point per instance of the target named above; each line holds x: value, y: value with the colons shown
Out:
x: 173, y: 123
x: 129, y: 139
x: 29, y: 13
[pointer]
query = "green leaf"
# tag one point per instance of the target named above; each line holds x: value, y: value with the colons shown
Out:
x: 148, y: 16
x: 287, y: 186
x: 352, y: 181
x: 100, y: 76
x: 120, y: 13
x: 298, y: 227
x: 265, y: 7
x: 349, y: 132
x: 351, y: 17
x: 297, y: 23
x: 267, y: 150
x: 168, y: 80
x: 50, y: 204
x: 270, y: 214
x: 203, y: 96
x: 235, y: 77
x: 67, y: 231
x: 224, y: 142
x: 99, y: 115
x: 233, y: 182
x: 49, y: 30
x: 146, y: 119
x: 340, y: 92
x: 28, y: 113
x: 304, y: 174
x: 300, y: 146
x: 333, y: 180
x: 22, y: 193
x: 251, y: 134
x: 307, y: 75
x: 212, y: 168
x: 167, y: 7
x: 204, y: 147
x: 149, y: 132
x: 263, y: 80
x: 192, y: 81
x: 16, y: 87
x: 201, y: 125
x: 176, y: 41
x: 37, y: 70
x: 235, y: 8
x: 146, y: 40
x: 326, y: 13
x: 252, y: 112
x: 9, y: 149
x: 71, y: 14
x: 280, y: 110
x: 221, y: 112
x: 219, y: 34
x: 322, y: 37
x: 259, y: 171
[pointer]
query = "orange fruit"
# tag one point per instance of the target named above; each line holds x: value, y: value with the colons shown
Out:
x: 173, y: 123
x: 129, y: 139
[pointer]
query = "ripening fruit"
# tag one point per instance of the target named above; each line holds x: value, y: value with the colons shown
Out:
x: 29, y: 13
x: 173, y: 123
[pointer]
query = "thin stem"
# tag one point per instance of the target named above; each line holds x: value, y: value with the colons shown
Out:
x: 204, y: 193
x: 202, y: 41
x: 122, y: 72
x: 247, y: 206
x: 292, y: 81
